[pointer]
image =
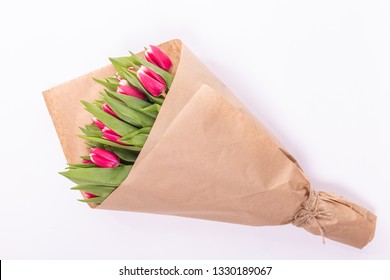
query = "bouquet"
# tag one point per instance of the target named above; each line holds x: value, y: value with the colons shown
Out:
x: 121, y: 122
x: 189, y: 149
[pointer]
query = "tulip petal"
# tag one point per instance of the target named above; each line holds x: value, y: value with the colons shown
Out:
x: 131, y: 91
x: 106, y: 108
x: 153, y: 83
x: 90, y: 195
x: 111, y: 135
x: 132, y: 79
x: 98, y: 123
x: 159, y: 58
x: 168, y: 77
x: 103, y: 158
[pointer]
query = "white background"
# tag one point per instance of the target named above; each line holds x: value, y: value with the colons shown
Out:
x: 317, y: 73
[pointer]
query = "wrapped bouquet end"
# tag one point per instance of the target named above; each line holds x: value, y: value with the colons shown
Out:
x: 207, y: 157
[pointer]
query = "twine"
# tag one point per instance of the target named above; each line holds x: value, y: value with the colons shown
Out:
x: 311, y: 209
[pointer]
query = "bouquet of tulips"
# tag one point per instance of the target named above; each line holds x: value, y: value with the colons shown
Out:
x: 168, y: 137
x: 121, y: 122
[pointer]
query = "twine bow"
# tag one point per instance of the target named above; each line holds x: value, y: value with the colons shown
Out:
x: 312, y: 209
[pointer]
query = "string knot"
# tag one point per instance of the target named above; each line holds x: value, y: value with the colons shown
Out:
x: 312, y: 209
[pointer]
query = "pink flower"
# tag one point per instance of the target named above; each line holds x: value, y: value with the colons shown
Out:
x: 108, y: 110
x: 123, y: 82
x: 129, y: 90
x: 89, y: 195
x: 118, y: 77
x: 98, y: 123
x: 103, y: 158
x: 111, y: 135
x: 153, y: 83
x: 86, y: 161
x: 159, y: 58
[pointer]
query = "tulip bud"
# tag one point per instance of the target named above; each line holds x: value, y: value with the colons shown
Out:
x: 98, y: 123
x: 86, y: 161
x: 156, y: 56
x: 89, y: 195
x: 108, y: 110
x: 103, y: 158
x: 118, y: 77
x: 111, y: 135
x: 129, y: 90
x: 153, y: 83
x: 123, y: 82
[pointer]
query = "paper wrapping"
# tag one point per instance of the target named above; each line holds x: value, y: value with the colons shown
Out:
x: 207, y: 157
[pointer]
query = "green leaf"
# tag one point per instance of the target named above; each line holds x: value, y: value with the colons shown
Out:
x: 130, y: 101
x: 91, y: 130
x: 94, y: 144
x: 121, y: 62
x: 98, y: 190
x: 109, y: 143
x: 113, y: 123
x: 125, y: 155
x: 106, y: 84
x: 144, y: 130
x: 137, y: 104
x: 168, y: 77
x: 152, y: 110
x: 93, y: 200
x: 98, y: 103
x: 136, y: 67
x: 80, y: 165
x: 128, y: 114
x: 138, y: 140
x: 113, y: 80
x: 98, y: 176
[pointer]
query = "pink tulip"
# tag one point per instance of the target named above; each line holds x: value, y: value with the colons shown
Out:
x: 159, y: 58
x: 129, y: 90
x: 86, y: 161
x: 118, y: 77
x: 111, y: 135
x: 123, y: 82
x: 108, y: 110
x: 98, y: 123
x: 89, y: 195
x: 103, y: 158
x: 153, y: 83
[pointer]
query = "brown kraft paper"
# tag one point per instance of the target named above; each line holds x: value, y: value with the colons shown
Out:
x: 207, y: 157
